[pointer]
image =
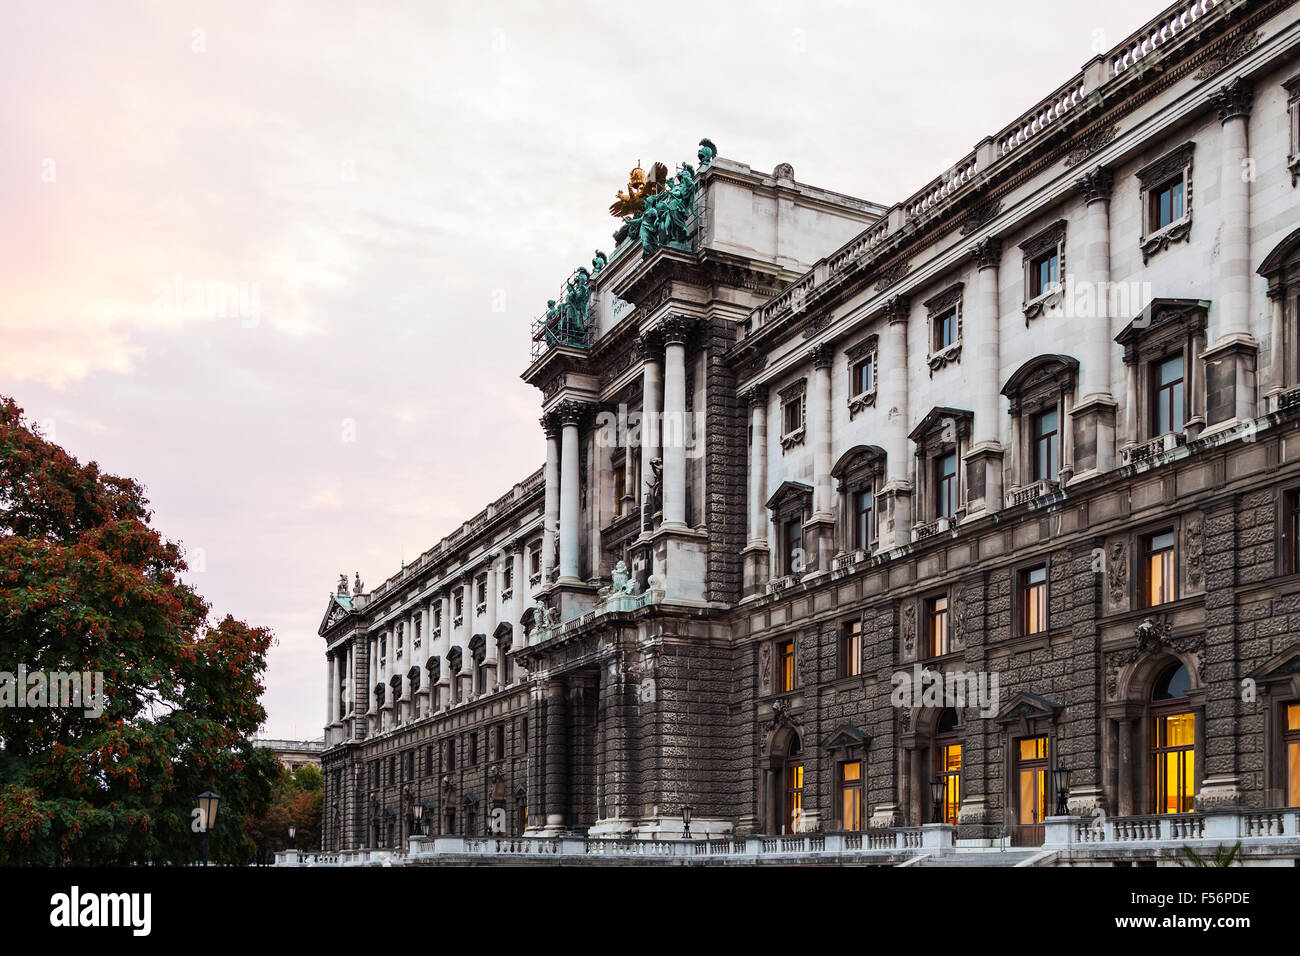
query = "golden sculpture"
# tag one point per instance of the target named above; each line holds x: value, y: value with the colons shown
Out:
x: 632, y: 202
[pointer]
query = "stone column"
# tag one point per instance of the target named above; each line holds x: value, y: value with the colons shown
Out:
x: 517, y: 596
x: 1278, y: 377
x: 1092, y: 424
x: 675, y: 332
x: 551, y: 517
x: 444, y: 645
x: 329, y: 691
x: 756, y: 553
x: 490, y: 622
x: 651, y: 406
x: 1230, y: 362
x: 556, y: 754
x: 570, y: 491
x: 820, y: 529
x: 895, y: 520
x: 984, y: 461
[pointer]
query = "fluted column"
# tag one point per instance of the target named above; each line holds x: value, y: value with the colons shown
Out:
x: 1230, y: 362
x: 570, y: 490
x: 651, y: 409
x: 675, y: 332
x: 551, y: 515
x: 895, y: 526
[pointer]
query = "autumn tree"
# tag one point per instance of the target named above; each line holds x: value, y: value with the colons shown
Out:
x: 87, y: 585
x: 297, y: 801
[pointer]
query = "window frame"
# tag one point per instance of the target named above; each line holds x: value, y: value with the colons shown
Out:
x: 794, y: 397
x: 1175, y: 166
x: 850, y: 649
x: 937, y: 645
x: 1024, y: 586
x: 1046, y: 243
x: 944, y: 310
x: 844, y: 787
x: 1146, y: 542
x: 785, y: 676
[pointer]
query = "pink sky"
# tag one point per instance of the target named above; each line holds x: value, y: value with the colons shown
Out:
x: 404, y: 185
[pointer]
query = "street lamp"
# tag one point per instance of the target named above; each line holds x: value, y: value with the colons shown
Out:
x: 292, y: 830
x: 417, y: 811
x: 937, y: 788
x: 208, y: 803
x: 1062, y: 780
x: 686, y: 822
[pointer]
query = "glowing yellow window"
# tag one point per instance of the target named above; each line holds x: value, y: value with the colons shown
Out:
x: 1293, y: 754
x: 851, y: 795
x: 1032, y: 774
x: 1175, y: 763
x: 950, y: 771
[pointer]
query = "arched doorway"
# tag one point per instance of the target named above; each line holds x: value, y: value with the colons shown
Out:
x: 792, y: 819
x: 783, y: 807
x: 1173, y: 742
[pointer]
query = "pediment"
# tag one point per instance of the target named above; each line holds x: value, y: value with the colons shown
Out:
x: 339, y: 607
x: 787, y: 490
x: 1283, y: 667
x: 1027, y: 706
x: 846, y: 736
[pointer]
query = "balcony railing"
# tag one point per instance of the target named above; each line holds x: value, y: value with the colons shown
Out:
x: 1149, y: 452
x: 1031, y: 492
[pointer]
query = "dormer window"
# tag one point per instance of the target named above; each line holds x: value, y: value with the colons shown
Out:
x: 1166, y: 200
x: 794, y: 404
x: 1044, y: 263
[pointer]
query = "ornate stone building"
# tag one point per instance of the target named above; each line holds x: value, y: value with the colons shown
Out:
x: 857, y: 517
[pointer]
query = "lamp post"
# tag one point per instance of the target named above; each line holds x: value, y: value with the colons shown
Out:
x: 208, y: 804
x: 686, y: 822
x: 937, y: 788
x: 292, y: 830
x: 1062, y: 781
x: 417, y: 811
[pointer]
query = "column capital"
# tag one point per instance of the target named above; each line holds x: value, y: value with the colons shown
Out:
x: 572, y: 412
x: 676, y: 329
x: 987, y: 253
x: 1095, y: 185
x: 1233, y: 99
x: 897, y: 309
x: 550, y: 424
x: 649, y: 345
x: 755, y: 395
x: 822, y: 354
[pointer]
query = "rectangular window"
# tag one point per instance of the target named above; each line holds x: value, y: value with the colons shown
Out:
x: 1166, y: 203
x: 1292, y: 741
x: 792, y: 415
x: 523, y: 733
x: 1158, y: 561
x: 1175, y: 759
x: 950, y: 773
x: 499, y: 741
x: 1031, y: 780
x: 794, y: 563
x: 945, y: 329
x: 460, y: 601
x: 473, y: 750
x: 785, y: 667
x: 620, y: 482
x: 851, y: 649
x: 863, y: 506
x: 945, y: 467
x: 851, y: 795
x: 1168, y: 392
x: 1033, y: 600
x: 1044, y: 274
x: 1047, y: 446
x: 936, y: 618
x: 864, y: 376
x: 428, y: 760
x: 535, y: 560
x: 1292, y: 531
x: 450, y: 762
x: 482, y: 590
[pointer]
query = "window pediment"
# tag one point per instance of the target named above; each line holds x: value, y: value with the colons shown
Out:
x: 790, y: 496
x: 846, y: 737
x: 941, y: 427
x: 1040, y: 381
x: 858, y: 466
x: 1161, y: 324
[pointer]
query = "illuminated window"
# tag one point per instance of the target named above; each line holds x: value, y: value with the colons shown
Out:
x: 1047, y: 446
x: 851, y: 649
x: 1292, y: 741
x: 794, y: 822
x: 936, y: 618
x: 948, y: 765
x: 785, y: 667
x: 1031, y: 773
x: 1168, y: 392
x: 1173, y: 750
x: 1033, y: 600
x: 1158, y: 561
x: 850, y: 781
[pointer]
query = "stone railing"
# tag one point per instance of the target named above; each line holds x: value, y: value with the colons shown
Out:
x: 1173, y: 830
x: 1152, y: 450
x: 1180, y: 21
x: 1039, y: 489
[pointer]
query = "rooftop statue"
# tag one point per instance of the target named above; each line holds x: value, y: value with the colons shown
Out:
x: 599, y: 262
x: 631, y: 203
x: 707, y: 152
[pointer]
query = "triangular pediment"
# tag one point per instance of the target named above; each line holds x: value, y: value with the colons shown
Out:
x: 789, y: 489
x: 846, y: 736
x: 1026, y: 706
x: 1284, y: 666
x: 339, y: 607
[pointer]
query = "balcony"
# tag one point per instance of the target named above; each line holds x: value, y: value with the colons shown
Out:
x: 1031, y: 492
x: 1151, y: 452
x: 931, y: 528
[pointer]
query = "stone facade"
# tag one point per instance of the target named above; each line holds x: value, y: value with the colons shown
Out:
x: 826, y: 446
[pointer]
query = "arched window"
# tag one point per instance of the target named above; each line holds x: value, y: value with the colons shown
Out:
x: 947, y: 751
x: 1173, y: 742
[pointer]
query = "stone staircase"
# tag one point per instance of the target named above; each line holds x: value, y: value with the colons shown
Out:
x: 979, y: 857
